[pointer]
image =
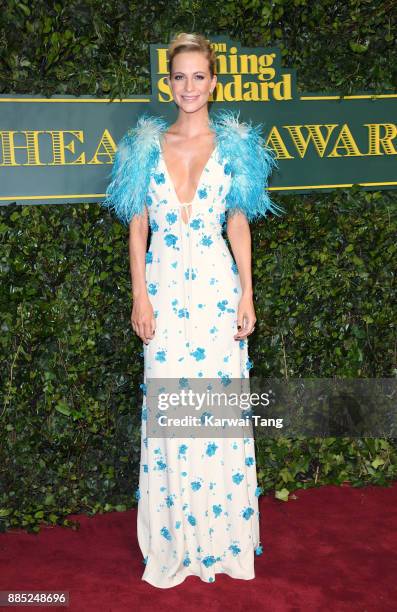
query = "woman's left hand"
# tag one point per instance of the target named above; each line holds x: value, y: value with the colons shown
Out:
x: 245, y: 317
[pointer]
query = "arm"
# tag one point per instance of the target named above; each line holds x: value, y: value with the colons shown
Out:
x: 135, y: 156
x: 239, y: 235
x: 250, y: 162
x: 142, y: 316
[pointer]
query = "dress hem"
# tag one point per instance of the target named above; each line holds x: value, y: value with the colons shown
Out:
x: 235, y: 577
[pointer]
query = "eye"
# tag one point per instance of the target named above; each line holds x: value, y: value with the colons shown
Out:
x: 177, y: 77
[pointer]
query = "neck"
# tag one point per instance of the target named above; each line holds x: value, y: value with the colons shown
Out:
x: 192, y: 124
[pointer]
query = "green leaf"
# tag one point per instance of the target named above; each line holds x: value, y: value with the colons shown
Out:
x: 358, y: 47
x: 282, y: 494
x: 121, y: 507
x: 63, y: 408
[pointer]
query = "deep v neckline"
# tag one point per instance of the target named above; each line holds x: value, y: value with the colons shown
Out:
x: 200, y: 178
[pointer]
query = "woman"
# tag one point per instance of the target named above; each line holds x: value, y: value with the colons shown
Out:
x: 193, y: 309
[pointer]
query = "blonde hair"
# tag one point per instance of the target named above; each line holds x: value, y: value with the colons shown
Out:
x: 192, y: 42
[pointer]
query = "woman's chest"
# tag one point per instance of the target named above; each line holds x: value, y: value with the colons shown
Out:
x: 209, y: 198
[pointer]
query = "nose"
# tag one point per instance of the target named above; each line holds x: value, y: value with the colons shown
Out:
x: 189, y: 85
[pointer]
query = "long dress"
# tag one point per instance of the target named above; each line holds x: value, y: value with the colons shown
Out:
x: 198, y: 497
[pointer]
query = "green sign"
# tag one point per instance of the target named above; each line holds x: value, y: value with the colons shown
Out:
x: 61, y: 149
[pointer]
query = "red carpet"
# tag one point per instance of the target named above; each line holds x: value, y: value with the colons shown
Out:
x: 331, y: 549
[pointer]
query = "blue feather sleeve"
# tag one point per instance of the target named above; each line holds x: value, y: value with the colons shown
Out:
x: 137, y: 153
x: 251, y: 163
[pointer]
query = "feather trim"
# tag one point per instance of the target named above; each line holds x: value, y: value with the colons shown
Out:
x: 136, y: 155
x: 250, y: 165
x: 249, y: 161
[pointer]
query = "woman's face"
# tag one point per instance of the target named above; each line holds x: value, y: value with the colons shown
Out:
x: 191, y: 81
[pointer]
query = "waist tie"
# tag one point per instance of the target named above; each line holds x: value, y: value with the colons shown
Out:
x: 187, y: 260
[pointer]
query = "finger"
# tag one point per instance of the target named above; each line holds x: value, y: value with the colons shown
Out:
x: 248, y: 322
x: 248, y: 327
x: 141, y: 333
x: 148, y: 330
x: 238, y: 335
x: 239, y: 323
x: 243, y: 327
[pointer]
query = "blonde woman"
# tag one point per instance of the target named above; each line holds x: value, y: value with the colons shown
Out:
x: 193, y: 310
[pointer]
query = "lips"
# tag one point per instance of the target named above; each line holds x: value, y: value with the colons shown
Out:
x: 190, y: 98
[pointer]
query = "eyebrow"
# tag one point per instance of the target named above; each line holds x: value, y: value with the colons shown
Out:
x: 197, y: 72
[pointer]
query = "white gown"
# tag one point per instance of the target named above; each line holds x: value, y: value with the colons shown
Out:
x: 197, y: 498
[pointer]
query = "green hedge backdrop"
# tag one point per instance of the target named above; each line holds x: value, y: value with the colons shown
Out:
x: 324, y: 274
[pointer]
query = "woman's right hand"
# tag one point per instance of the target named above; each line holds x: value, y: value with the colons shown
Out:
x: 142, y: 318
